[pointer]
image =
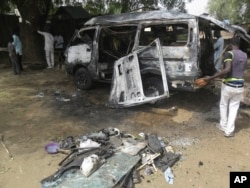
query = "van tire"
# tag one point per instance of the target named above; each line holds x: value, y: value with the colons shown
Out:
x: 152, y: 86
x: 83, y: 79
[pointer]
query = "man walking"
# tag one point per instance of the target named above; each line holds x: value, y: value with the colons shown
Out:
x: 232, y: 88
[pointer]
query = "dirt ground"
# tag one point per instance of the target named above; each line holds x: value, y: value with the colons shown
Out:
x: 33, y: 114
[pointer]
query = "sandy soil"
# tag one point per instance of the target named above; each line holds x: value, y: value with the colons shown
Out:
x: 29, y: 121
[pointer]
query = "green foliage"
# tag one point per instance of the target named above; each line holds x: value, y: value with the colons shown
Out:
x: 175, y: 4
x: 33, y: 9
x: 96, y: 7
x: 246, y: 16
x: 233, y: 10
x: 6, y: 6
x: 25, y: 6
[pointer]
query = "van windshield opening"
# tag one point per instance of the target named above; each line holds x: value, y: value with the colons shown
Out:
x: 116, y: 42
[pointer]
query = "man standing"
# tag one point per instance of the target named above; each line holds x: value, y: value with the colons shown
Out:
x: 218, y: 49
x: 58, y: 39
x: 59, y: 43
x: 18, y: 48
x: 232, y: 88
x: 49, y: 48
x: 13, y: 57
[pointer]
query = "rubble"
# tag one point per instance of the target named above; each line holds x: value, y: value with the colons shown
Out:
x: 111, y: 158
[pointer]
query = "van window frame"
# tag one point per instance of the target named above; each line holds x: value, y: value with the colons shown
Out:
x: 150, y: 23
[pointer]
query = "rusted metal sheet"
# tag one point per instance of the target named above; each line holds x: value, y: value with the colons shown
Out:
x: 108, y: 175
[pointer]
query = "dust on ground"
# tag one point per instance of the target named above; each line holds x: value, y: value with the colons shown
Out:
x: 34, y: 110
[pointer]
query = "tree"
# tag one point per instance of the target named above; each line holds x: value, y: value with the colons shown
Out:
x: 32, y: 12
x: 244, y: 8
x: 35, y: 13
x: 96, y: 7
x: 232, y: 10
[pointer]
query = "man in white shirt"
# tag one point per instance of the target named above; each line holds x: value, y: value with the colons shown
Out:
x: 49, y: 48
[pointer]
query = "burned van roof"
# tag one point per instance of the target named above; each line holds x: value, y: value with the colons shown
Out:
x: 137, y: 16
x: 217, y: 24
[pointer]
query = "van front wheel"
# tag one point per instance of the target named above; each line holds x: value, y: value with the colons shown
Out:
x: 153, y: 87
x: 83, y: 79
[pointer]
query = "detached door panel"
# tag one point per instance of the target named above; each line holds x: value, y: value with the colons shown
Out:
x: 127, y: 84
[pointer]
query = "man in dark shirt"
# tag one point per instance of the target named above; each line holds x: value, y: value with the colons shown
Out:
x: 232, y: 88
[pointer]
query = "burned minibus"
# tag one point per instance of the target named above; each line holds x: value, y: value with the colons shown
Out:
x: 144, y: 55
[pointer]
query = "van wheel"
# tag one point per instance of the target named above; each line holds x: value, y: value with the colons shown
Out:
x: 152, y: 87
x: 83, y: 79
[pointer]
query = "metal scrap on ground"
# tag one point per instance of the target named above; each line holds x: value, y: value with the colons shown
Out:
x: 114, y: 161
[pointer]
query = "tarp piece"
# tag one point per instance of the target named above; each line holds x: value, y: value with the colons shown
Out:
x: 107, y: 176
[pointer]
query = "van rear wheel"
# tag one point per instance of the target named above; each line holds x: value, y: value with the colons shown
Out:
x: 83, y: 79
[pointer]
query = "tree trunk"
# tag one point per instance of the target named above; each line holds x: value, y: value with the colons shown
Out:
x: 32, y: 45
x: 33, y: 20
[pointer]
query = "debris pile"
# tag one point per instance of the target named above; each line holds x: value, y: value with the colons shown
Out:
x: 110, y: 158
